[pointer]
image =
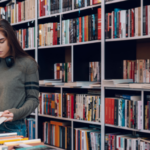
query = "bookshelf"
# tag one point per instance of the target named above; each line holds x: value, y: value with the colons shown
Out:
x: 103, y: 45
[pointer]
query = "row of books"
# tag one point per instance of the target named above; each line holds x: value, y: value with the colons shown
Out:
x: 20, y: 11
x: 87, y: 138
x: 63, y: 71
x: 82, y: 107
x: 125, y: 141
x: 123, y: 23
x: 85, y: 3
x: 57, y: 134
x: 94, y: 71
x: 53, y: 6
x: 30, y: 125
x: 49, y: 34
x: 82, y: 29
x: 26, y: 37
x: 50, y: 104
x: 124, y: 111
x: 138, y: 70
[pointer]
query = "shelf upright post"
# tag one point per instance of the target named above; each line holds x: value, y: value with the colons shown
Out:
x: 102, y: 74
x: 142, y: 96
x: 72, y: 63
x: 72, y: 136
x: 141, y: 17
x: 72, y: 4
x: 60, y: 20
x: 36, y: 58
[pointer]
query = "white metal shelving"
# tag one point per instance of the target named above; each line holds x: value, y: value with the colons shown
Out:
x: 102, y: 43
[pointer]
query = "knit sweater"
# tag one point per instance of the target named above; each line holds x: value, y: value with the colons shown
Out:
x: 19, y: 87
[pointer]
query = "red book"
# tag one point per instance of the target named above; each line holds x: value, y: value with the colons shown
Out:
x: 85, y: 28
x: 19, y: 11
x: 119, y: 24
x: 113, y: 25
x: 80, y: 30
x: 72, y: 106
x: 43, y: 7
x: 112, y: 109
x: 106, y: 110
x: 54, y: 33
x: 146, y: 20
x: 119, y: 142
x: 109, y: 111
x: 99, y: 23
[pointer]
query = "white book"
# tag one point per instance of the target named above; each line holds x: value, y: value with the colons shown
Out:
x: 19, y: 142
x: 128, y: 22
x: 119, y: 113
x: 136, y: 21
x: 112, y: 24
x: 123, y: 24
x: 113, y: 82
x: 79, y: 83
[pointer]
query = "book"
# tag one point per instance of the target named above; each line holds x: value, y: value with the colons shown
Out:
x: 113, y: 82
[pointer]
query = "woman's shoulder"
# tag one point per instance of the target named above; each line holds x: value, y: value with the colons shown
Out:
x: 28, y: 64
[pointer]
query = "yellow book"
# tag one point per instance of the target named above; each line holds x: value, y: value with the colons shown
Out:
x: 60, y: 115
x: 40, y: 33
x: 13, y: 140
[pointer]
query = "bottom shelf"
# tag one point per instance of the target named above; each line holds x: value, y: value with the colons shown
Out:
x: 54, y: 147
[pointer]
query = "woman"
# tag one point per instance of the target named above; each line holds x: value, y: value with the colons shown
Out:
x: 19, y: 82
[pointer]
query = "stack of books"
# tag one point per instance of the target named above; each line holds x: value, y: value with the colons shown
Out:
x: 124, y: 111
x: 88, y: 138
x: 126, y: 141
x: 49, y: 34
x: 57, y: 134
x: 138, y: 70
x: 26, y: 37
x: 50, y: 104
x: 82, y: 29
x: 82, y: 106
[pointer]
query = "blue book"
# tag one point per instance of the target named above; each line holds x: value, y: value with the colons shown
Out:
x: 116, y: 10
x: 47, y: 104
x: 93, y: 31
x: 123, y: 112
x: 29, y: 128
x: 83, y: 29
x: 77, y: 30
x: 33, y: 129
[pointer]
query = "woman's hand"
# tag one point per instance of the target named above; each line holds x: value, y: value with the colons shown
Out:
x: 8, y: 115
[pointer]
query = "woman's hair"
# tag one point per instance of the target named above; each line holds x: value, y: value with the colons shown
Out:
x: 15, y: 47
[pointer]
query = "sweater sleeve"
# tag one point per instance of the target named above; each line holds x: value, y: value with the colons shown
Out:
x: 32, y: 92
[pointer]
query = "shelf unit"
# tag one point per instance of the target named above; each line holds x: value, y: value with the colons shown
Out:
x: 102, y: 47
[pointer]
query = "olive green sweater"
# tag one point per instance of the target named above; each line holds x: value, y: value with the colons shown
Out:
x: 19, y: 87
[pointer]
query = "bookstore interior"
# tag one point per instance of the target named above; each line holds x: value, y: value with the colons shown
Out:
x: 94, y: 73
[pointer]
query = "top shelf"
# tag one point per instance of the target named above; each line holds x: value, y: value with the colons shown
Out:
x: 114, y: 1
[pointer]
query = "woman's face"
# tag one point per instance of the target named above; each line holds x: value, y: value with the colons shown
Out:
x: 4, y: 47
